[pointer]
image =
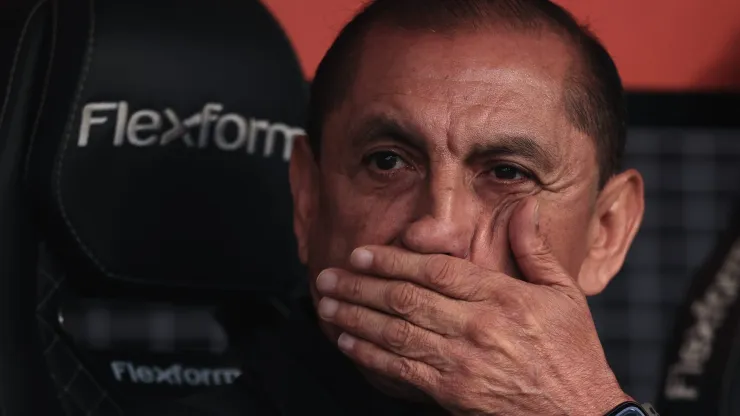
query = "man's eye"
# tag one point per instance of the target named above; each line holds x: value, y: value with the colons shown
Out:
x: 386, y: 161
x: 509, y: 173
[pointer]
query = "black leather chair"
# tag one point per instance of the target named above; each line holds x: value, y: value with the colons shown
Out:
x: 145, y: 216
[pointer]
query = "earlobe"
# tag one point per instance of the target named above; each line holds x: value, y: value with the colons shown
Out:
x: 619, y: 211
x: 303, y: 186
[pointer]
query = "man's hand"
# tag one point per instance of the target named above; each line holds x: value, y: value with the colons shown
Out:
x: 477, y: 341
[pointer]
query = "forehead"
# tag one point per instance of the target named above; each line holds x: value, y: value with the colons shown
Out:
x: 469, y: 78
x: 538, y: 58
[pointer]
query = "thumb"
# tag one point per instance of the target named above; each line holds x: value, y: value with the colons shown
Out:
x: 531, y: 250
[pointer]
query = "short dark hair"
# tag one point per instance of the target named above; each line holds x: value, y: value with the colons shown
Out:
x: 594, y: 96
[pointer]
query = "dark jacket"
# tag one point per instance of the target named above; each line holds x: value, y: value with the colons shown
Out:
x: 290, y: 370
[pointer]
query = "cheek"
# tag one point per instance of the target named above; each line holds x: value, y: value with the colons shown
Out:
x: 566, y: 231
x: 349, y: 218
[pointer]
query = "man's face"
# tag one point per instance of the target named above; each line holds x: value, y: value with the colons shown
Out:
x: 436, y: 141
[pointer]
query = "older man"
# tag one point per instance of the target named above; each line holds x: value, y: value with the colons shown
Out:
x: 458, y: 196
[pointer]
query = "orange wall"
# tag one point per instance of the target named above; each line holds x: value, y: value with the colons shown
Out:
x: 657, y: 44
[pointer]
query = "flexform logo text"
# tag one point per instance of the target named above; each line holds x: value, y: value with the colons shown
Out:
x: 173, y: 375
x: 209, y: 127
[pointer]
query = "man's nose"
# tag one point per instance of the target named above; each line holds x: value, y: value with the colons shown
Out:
x: 445, y: 221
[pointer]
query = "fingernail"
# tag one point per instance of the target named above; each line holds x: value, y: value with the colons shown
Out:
x: 346, y: 341
x: 326, y: 281
x: 361, y: 258
x: 328, y: 308
x: 536, y: 217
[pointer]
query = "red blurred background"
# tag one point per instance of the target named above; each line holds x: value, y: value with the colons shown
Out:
x: 657, y: 44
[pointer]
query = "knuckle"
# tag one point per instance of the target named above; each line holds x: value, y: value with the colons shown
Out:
x: 518, y: 309
x: 403, y: 299
x: 511, y: 305
x: 510, y: 298
x: 353, y: 316
x: 439, y: 271
x: 394, y: 263
x: 355, y: 288
x: 541, y: 248
x: 538, y: 251
x: 398, y: 335
x: 527, y: 325
x: 402, y: 368
x: 481, y: 284
x: 479, y: 331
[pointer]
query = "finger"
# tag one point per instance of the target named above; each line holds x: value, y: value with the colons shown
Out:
x: 531, y: 250
x: 397, y: 367
x: 390, y: 333
x: 420, y: 306
x: 450, y: 276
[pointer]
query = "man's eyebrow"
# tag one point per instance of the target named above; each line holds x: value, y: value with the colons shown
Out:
x: 516, y: 145
x: 382, y: 126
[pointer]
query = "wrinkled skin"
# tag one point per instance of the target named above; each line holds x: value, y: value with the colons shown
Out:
x: 456, y: 151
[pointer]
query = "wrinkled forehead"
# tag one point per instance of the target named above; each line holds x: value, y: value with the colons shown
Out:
x: 475, y: 79
x: 461, y: 64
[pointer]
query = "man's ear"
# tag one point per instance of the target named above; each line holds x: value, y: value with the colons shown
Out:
x: 617, y: 217
x: 304, y: 180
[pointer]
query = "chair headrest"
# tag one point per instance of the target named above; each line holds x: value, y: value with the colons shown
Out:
x: 170, y: 160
